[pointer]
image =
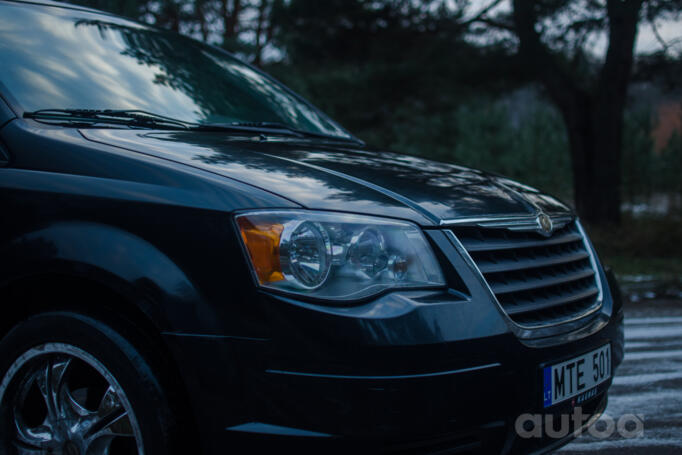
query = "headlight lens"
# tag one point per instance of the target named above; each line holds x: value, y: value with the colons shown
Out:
x: 336, y: 256
x: 305, y: 254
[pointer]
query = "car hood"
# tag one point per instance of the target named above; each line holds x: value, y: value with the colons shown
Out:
x: 328, y: 176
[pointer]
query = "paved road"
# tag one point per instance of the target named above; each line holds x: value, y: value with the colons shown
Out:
x: 648, y: 383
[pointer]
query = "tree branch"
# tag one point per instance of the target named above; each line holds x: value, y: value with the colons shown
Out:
x: 481, y: 14
x: 658, y: 36
x: 495, y: 24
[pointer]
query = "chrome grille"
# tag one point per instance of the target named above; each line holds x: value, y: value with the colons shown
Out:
x: 537, y: 280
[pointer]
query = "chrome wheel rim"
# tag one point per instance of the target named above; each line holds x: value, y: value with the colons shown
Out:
x: 58, y: 399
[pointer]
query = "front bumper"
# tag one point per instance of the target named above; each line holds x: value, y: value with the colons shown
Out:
x: 412, y: 372
x: 464, y: 393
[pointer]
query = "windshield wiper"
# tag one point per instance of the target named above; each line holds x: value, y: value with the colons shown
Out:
x: 143, y: 119
x: 276, y: 127
x: 253, y: 127
x: 271, y: 125
x: 134, y: 118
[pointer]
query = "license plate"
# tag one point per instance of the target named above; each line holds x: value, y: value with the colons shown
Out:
x: 576, y: 377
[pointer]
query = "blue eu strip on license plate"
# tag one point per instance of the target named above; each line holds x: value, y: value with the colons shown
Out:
x: 577, y: 377
x: 547, y: 382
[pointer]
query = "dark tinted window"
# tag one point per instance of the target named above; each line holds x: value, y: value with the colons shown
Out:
x: 54, y: 57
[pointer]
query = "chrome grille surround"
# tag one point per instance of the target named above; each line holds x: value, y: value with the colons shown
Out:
x: 538, y: 279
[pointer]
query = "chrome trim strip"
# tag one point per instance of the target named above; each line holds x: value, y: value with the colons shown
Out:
x: 593, y: 262
x: 509, y: 221
x: 469, y: 260
x: 482, y: 219
x: 374, y: 378
x: 522, y: 222
x: 213, y: 337
x: 270, y: 429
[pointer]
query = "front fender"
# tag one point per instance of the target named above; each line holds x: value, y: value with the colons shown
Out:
x: 111, y: 256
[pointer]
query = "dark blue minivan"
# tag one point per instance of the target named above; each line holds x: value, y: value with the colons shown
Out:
x: 194, y: 259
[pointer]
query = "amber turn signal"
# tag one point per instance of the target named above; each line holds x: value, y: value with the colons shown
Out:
x: 262, y: 243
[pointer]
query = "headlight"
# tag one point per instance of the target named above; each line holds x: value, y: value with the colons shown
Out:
x: 336, y: 256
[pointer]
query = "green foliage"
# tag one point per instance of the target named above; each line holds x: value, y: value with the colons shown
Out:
x: 646, y: 173
x: 637, y: 146
x: 669, y: 167
x: 649, y: 245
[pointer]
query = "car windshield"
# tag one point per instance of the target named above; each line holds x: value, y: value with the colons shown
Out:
x: 60, y: 58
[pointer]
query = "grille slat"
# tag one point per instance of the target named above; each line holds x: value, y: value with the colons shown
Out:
x: 531, y: 263
x: 478, y: 245
x: 535, y: 305
x: 517, y: 286
x: 537, y: 280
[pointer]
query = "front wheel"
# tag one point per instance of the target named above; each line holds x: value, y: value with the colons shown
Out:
x: 71, y: 385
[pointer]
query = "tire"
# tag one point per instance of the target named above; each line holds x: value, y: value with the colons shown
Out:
x: 71, y: 384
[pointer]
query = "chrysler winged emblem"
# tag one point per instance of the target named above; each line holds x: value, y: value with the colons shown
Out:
x: 545, y: 225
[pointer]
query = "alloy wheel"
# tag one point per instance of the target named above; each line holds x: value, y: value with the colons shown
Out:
x: 58, y: 399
